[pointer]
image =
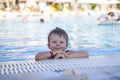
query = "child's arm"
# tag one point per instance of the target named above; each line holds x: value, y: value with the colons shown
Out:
x: 60, y: 56
x: 46, y: 55
x: 42, y: 55
x: 68, y: 54
x: 77, y: 54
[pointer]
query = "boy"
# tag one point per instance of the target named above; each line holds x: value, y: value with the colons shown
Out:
x: 58, y: 43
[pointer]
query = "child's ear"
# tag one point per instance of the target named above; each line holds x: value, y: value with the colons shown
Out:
x: 48, y: 46
x: 66, y: 45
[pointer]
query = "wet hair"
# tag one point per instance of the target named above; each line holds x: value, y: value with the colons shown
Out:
x: 111, y: 14
x: 60, y: 32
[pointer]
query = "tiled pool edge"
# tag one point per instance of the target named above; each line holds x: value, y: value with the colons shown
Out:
x: 92, y: 68
x: 12, y: 67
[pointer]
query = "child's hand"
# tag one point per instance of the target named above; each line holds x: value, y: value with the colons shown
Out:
x: 58, y: 52
x: 60, y: 56
x: 68, y: 52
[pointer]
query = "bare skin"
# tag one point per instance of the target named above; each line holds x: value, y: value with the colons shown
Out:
x: 58, y: 45
x: 70, y: 54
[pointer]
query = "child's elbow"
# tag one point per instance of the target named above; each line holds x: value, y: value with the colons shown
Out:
x: 37, y: 57
x: 85, y: 54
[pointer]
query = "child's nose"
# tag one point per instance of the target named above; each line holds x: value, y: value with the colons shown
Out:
x: 57, y: 44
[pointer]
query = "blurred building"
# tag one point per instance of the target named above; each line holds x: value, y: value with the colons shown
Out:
x: 74, y: 4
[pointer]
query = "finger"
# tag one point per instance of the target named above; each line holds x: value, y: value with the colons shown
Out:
x: 59, y: 56
x: 66, y: 55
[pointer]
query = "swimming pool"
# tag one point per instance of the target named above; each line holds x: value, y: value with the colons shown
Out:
x: 23, y: 40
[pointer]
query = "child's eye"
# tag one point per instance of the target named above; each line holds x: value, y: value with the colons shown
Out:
x: 54, y: 42
x: 61, y: 42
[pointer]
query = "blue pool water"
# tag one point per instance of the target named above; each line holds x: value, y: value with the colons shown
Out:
x: 23, y: 40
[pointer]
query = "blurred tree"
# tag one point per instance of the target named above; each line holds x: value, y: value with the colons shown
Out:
x: 93, y: 6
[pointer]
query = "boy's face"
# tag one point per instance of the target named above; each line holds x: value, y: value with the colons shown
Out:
x: 111, y: 17
x: 57, y: 43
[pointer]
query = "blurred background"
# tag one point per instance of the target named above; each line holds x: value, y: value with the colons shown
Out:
x: 59, y: 5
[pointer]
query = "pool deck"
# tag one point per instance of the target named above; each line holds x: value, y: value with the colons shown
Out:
x: 92, y: 68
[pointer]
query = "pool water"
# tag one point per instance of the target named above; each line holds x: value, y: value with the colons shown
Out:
x: 23, y: 40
